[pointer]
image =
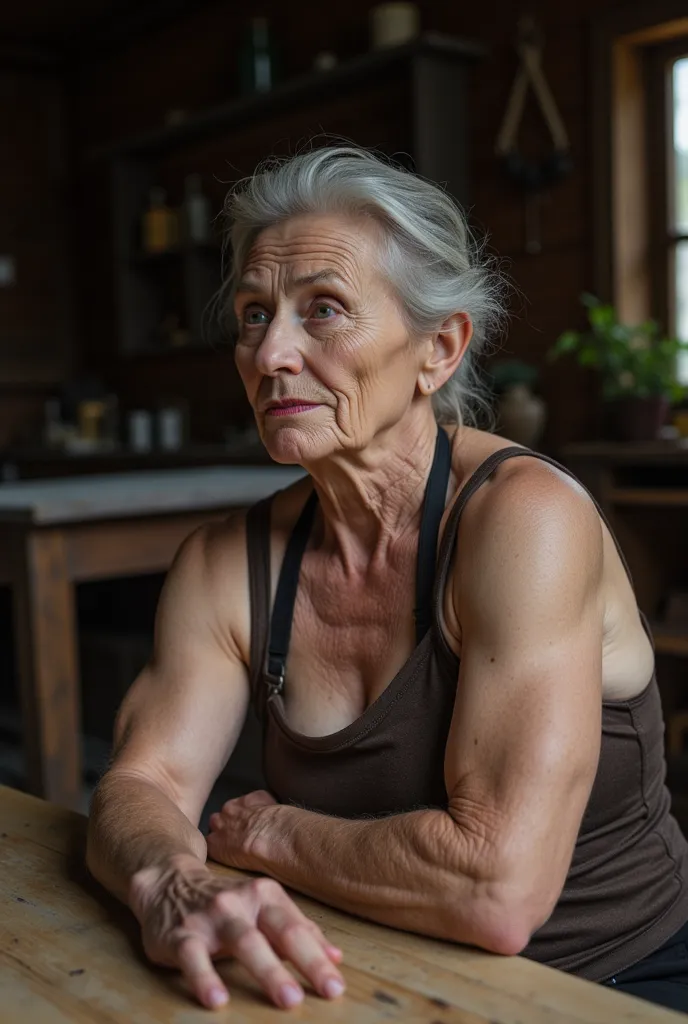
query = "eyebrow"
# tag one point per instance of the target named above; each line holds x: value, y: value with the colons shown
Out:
x: 326, y: 274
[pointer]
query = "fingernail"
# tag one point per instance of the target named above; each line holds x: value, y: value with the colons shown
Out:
x: 290, y: 995
x: 217, y: 997
x: 333, y: 988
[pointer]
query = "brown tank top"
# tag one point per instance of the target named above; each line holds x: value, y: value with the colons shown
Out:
x: 625, y: 893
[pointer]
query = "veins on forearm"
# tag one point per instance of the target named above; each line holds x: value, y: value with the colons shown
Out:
x: 401, y: 861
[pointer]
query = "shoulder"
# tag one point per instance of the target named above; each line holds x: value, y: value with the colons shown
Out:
x: 216, y: 552
x: 526, y: 495
x: 209, y: 578
x: 206, y: 593
x: 530, y: 529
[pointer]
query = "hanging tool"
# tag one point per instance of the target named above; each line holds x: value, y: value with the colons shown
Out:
x: 532, y: 176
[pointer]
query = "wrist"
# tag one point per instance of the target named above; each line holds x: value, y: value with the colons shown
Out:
x: 146, y: 883
x: 260, y: 841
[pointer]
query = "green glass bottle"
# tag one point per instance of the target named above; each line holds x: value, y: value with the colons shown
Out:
x: 257, y: 57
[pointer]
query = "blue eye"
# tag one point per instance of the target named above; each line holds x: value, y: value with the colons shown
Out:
x: 323, y: 311
x: 255, y: 317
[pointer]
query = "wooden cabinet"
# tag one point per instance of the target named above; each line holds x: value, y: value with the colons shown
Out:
x: 409, y: 102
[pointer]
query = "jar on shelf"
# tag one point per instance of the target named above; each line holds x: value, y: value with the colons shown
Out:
x: 160, y: 229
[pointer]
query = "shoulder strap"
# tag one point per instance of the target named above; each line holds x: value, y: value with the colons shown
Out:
x: 285, y: 598
x: 433, y: 510
x: 258, y: 557
x: 475, y: 481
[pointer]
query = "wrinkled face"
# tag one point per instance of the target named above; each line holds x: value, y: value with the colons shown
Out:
x: 323, y: 350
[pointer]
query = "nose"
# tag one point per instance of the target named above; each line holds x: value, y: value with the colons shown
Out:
x: 278, y: 351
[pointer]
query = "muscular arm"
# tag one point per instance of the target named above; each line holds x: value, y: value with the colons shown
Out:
x: 522, y: 751
x: 179, y: 722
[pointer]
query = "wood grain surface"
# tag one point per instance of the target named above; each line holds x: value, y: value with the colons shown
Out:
x: 69, y: 953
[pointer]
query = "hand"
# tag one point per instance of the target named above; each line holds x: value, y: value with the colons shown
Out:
x: 190, y: 917
x: 237, y: 829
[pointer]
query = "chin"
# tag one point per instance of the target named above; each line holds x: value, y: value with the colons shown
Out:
x: 292, y: 446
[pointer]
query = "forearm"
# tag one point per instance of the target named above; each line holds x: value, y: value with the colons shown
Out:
x: 403, y: 871
x: 133, y: 826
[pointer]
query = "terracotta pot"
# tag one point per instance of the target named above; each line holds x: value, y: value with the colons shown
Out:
x: 637, y: 419
x: 521, y: 415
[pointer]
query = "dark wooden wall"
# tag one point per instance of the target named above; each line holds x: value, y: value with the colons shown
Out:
x: 191, y: 64
x: 35, y: 313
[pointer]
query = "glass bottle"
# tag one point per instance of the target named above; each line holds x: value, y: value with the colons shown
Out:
x: 256, y: 60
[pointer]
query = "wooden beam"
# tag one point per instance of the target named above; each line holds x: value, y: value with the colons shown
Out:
x: 630, y: 217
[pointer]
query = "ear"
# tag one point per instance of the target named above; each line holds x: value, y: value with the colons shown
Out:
x: 446, y: 349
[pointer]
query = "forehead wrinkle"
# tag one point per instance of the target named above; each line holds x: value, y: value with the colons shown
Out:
x: 344, y: 252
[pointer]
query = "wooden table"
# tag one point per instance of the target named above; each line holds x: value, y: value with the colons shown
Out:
x: 57, y: 533
x: 69, y: 953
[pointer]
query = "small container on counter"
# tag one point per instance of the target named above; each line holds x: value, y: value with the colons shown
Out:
x: 197, y: 212
x: 140, y: 430
x: 171, y: 427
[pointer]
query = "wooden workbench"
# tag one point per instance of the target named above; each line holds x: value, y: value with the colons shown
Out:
x: 57, y: 533
x: 69, y: 954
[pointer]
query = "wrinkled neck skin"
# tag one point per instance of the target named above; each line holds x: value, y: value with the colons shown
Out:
x: 371, y: 499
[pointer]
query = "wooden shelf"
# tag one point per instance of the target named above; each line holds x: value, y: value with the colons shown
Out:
x: 246, y: 109
x: 420, y: 87
x: 670, y: 639
x: 656, y: 496
x: 625, y: 453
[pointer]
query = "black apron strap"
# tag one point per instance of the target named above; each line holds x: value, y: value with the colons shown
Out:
x: 433, y: 510
x: 285, y: 598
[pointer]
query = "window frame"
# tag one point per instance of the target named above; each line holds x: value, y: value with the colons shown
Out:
x: 664, y: 238
x: 624, y: 247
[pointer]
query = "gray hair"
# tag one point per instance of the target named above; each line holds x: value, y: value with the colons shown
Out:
x: 430, y: 258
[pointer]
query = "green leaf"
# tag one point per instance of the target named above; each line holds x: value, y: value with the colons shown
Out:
x: 567, y: 342
x: 589, y: 356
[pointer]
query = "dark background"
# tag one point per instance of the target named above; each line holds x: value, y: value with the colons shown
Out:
x: 78, y: 76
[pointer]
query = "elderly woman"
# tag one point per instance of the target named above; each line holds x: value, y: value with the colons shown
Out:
x: 462, y: 727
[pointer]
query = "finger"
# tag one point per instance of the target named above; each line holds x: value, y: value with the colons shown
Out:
x: 282, y: 899
x: 334, y: 952
x: 251, y: 948
x: 271, y: 893
x: 294, y: 940
x: 194, y: 961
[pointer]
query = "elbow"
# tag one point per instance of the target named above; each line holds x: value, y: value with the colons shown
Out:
x: 502, y: 929
x: 507, y: 899
x: 502, y: 912
x: 505, y: 916
x: 490, y: 924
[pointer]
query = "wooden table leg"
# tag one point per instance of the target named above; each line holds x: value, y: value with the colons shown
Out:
x: 46, y: 648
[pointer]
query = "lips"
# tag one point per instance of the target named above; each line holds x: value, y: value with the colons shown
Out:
x: 285, y: 403
x: 290, y: 406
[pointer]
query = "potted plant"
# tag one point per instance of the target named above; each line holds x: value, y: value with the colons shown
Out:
x: 520, y: 413
x: 638, y: 366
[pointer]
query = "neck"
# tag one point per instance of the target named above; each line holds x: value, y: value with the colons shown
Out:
x: 371, y: 499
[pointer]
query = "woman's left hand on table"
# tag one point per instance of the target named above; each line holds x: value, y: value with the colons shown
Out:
x: 236, y: 827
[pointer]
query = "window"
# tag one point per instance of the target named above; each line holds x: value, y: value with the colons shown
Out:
x: 678, y: 204
x: 640, y: 168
